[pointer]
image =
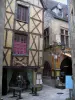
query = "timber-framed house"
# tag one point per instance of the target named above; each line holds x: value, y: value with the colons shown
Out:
x: 23, y: 42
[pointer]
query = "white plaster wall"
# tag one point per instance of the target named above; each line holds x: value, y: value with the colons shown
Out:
x: 56, y: 25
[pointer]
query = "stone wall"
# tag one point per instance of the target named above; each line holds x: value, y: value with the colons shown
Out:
x: 71, y: 7
x: 54, y: 27
x: 2, y: 15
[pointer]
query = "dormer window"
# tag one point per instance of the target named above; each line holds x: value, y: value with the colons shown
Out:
x: 58, y: 10
x: 60, y: 14
x: 59, y: 7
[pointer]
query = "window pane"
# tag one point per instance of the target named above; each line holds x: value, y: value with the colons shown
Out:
x: 44, y: 33
x: 62, y: 31
x: 62, y: 39
x: 26, y: 14
x: 17, y: 38
x: 25, y: 40
x: 22, y: 13
x: 66, y: 32
x: 47, y: 41
x: 19, y: 12
x: 67, y: 42
x: 44, y: 42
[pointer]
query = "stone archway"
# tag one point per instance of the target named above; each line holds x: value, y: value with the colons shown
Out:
x: 47, y: 69
x: 65, y: 68
x: 47, y: 75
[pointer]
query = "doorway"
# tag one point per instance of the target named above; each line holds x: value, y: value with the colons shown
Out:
x: 65, y: 68
x: 4, y: 81
x: 47, y: 69
x: 23, y: 74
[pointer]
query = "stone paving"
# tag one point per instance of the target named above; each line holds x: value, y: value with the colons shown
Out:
x: 47, y: 93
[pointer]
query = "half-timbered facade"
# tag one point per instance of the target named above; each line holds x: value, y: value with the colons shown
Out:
x: 23, y: 41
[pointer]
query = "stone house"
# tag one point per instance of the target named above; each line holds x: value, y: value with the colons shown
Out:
x: 57, y: 55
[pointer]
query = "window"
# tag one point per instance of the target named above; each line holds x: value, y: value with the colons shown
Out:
x: 64, y: 37
x: 58, y: 11
x: 22, y: 13
x: 46, y: 38
x: 20, y: 44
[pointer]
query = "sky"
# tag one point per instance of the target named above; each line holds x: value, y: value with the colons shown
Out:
x: 62, y: 1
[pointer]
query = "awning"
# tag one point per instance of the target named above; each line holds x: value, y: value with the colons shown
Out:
x: 67, y: 54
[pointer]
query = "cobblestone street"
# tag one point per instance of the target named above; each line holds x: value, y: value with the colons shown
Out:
x: 47, y: 93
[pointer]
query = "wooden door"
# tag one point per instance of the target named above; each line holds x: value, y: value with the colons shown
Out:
x: 4, y: 82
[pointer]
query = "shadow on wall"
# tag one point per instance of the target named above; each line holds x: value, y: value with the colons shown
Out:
x: 65, y: 68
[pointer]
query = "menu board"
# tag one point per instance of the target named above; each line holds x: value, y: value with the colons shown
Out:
x: 39, y: 76
x: 39, y: 81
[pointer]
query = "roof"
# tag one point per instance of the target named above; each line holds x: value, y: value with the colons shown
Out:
x: 42, y: 2
x: 50, y: 5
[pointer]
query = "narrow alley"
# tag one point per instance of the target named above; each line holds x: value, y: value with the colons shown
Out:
x: 47, y: 93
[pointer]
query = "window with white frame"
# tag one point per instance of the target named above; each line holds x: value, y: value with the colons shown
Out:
x: 64, y: 37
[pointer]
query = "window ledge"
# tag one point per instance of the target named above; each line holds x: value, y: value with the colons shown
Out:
x: 21, y: 21
x: 20, y: 54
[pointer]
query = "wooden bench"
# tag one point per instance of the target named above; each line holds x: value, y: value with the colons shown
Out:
x: 16, y: 89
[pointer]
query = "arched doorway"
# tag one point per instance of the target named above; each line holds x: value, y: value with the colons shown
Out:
x: 47, y: 69
x: 47, y: 75
x: 65, y: 68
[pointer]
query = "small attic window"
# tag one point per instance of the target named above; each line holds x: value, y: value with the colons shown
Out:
x: 59, y: 7
x: 58, y: 12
